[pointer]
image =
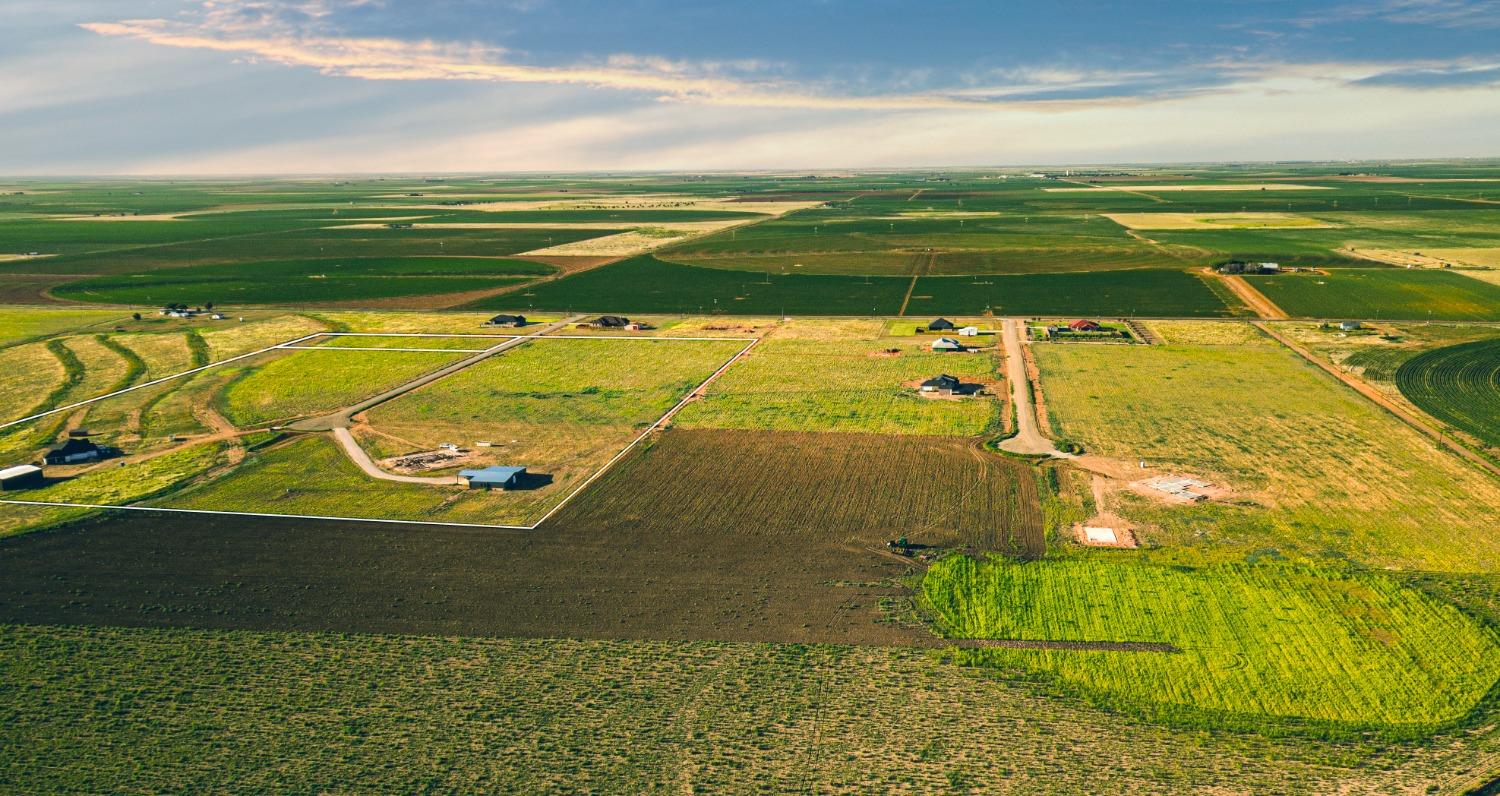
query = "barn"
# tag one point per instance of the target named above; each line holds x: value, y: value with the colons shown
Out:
x: 22, y: 476
x: 946, y: 344
x: 74, y: 451
x: 492, y: 477
x: 507, y: 320
x: 940, y: 325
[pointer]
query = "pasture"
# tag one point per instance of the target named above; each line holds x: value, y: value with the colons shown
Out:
x: 853, y: 385
x: 1316, y: 470
x: 1316, y: 649
x: 101, y: 709
x: 313, y: 381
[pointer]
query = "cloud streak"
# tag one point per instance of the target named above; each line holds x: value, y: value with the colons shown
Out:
x: 258, y: 33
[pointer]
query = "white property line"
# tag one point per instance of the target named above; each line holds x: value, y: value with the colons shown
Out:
x: 377, y: 348
x: 752, y: 341
x: 265, y: 514
x: 158, y: 381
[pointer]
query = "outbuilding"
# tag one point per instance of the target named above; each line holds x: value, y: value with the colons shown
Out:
x: 74, y: 451
x: 940, y: 325
x: 22, y: 476
x: 492, y: 477
x: 507, y: 320
x: 947, y: 344
x: 612, y: 321
x: 1350, y: 326
x: 942, y: 385
x: 969, y: 331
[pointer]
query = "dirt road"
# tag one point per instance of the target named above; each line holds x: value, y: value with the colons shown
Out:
x: 1028, y: 438
x: 1383, y: 402
x: 362, y: 460
x: 1254, y: 299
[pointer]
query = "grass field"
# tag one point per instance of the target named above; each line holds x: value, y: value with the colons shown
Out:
x: 1153, y: 292
x: 1318, y: 648
x: 1459, y: 385
x: 1386, y: 293
x: 105, y: 709
x: 303, y: 383
x: 847, y: 385
x: 27, y: 323
x: 1315, y: 469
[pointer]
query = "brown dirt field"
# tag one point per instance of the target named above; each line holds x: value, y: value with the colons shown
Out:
x: 31, y: 288
x: 736, y: 536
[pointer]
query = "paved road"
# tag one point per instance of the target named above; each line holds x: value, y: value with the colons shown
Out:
x: 1028, y: 438
x: 1382, y: 401
x: 362, y: 459
x: 341, y: 418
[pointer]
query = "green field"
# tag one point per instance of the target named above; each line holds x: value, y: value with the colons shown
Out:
x: 311, y: 381
x: 1383, y: 293
x: 1154, y: 292
x: 302, y: 281
x: 851, y: 385
x: 1459, y: 385
x: 1315, y: 470
x: 1316, y: 648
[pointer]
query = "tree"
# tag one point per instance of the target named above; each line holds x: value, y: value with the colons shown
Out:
x: 136, y: 315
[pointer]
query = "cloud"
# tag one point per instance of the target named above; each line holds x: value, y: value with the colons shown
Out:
x: 1435, y: 77
x: 1435, y: 13
x: 279, y: 32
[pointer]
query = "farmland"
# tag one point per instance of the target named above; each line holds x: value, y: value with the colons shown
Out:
x: 1459, y: 385
x: 1383, y: 294
x: 1404, y: 663
x: 730, y: 586
x: 1316, y: 470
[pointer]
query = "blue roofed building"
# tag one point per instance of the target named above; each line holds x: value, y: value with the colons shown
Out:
x: 492, y: 477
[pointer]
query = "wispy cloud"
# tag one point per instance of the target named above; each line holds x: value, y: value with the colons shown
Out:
x: 297, y: 34
x: 1436, y: 13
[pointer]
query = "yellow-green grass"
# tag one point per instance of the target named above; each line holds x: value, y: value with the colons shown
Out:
x: 114, y: 710
x: 446, y: 343
x: 1205, y: 332
x: 230, y: 338
x: 310, y: 382
x: 163, y: 354
x: 24, y: 323
x: 116, y: 483
x: 851, y: 385
x: 1324, y: 649
x: 31, y: 373
x: 575, y: 381
x: 311, y: 476
x: 408, y: 322
x: 1316, y: 469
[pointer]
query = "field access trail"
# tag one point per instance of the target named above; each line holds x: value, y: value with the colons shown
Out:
x: 1028, y: 438
x: 342, y: 418
x: 362, y: 460
x: 1254, y: 299
x: 1383, y: 402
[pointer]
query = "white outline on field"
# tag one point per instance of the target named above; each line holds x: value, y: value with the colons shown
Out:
x: 750, y: 343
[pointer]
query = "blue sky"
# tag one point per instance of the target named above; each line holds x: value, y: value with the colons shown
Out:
x: 296, y: 86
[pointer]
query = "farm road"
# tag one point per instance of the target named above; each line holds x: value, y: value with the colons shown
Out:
x: 362, y: 460
x: 1028, y: 438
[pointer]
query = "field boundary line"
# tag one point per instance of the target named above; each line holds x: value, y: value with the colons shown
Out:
x: 267, y: 514
x: 1376, y: 397
x: 377, y: 348
x: 693, y: 393
x: 69, y: 407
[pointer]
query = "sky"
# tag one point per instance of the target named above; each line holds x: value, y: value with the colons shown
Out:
x: 343, y: 86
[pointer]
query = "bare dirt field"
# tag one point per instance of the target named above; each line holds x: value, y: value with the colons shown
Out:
x: 748, y: 536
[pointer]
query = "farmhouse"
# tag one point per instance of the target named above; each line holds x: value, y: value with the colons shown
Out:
x: 506, y: 320
x: 76, y: 450
x: 611, y: 322
x: 941, y: 385
x: 947, y: 344
x: 491, y: 477
x: 22, y: 476
x: 1084, y: 326
x: 941, y: 325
